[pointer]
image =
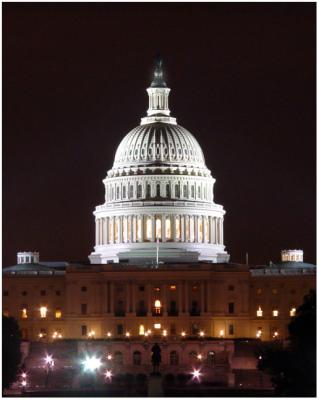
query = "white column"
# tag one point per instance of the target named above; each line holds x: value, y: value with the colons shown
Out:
x: 163, y: 228
x: 142, y: 228
x: 130, y: 233
x: 222, y: 230
x: 196, y: 228
x: 120, y: 220
x: 216, y: 230
x: 96, y: 232
x: 204, y: 219
x: 182, y: 227
x: 106, y: 226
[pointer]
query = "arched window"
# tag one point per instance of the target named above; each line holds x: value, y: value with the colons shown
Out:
x: 149, y: 228
x: 117, y: 192
x: 173, y: 358
x: 177, y: 191
x: 158, y: 190
x: 131, y: 191
x: 158, y: 228
x: 137, y: 358
x: 139, y: 191
x: 112, y: 193
x: 148, y: 191
x: 168, y: 192
x: 124, y: 192
x: 118, y: 358
x: 193, y: 191
x: 184, y: 191
x: 168, y: 231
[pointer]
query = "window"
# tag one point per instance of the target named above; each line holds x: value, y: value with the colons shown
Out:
x: 83, y: 309
x: 137, y: 358
x: 83, y: 289
x: 157, y: 306
x: 274, y: 291
x: 231, y: 308
x: 42, y: 292
x: 259, y: 312
x: 124, y: 192
x: 139, y: 191
x: 231, y: 288
x: 192, y: 191
x: 259, y: 332
x: 158, y: 228
x: 173, y: 358
x: 83, y: 330
x: 173, y: 329
x: 6, y: 293
x: 172, y: 287
x: 24, y: 313
x: 141, y: 330
x: 43, y: 311
x: 131, y: 191
x: 177, y: 191
x: 194, y: 329
x: 275, y: 312
x: 149, y: 228
x: 293, y: 311
x: 118, y: 358
x: 194, y: 288
x: 184, y: 191
x: 117, y: 192
x: 58, y: 292
x: 158, y: 190
x: 141, y: 288
x: 259, y: 291
x: 198, y: 191
x: 148, y: 191
x: 168, y: 228
x: 24, y: 293
x: 168, y: 192
x: 230, y: 329
x: 157, y: 326
x: 120, y: 329
x: 58, y: 313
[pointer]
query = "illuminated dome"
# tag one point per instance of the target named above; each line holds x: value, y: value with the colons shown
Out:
x: 159, y: 194
x: 159, y: 143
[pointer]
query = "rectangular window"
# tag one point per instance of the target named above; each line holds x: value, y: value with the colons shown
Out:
x: 24, y: 313
x: 42, y: 292
x: 43, y: 311
x: 120, y: 329
x: 231, y: 288
x: 231, y: 308
x: 83, y: 289
x: 58, y: 292
x: 58, y: 313
x: 141, y: 288
x: 83, y: 309
x: 173, y: 329
x: 230, y: 329
x: 84, y: 330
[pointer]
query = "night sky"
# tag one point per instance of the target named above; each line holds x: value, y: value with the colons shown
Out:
x: 243, y: 82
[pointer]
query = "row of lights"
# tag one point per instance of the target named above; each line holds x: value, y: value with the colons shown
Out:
x: 147, y: 333
x: 259, y: 332
x: 275, y: 312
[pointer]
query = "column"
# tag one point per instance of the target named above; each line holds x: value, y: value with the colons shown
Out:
x: 211, y: 230
x: 120, y: 221
x: 202, y: 298
x: 134, y: 229
x: 182, y: 227
x: 128, y: 285
x: 163, y: 228
x: 133, y: 298
x: 96, y: 232
x: 222, y: 230
x: 215, y: 229
x: 173, y: 227
x: 180, y: 298
x: 149, y: 300
x: 131, y: 229
x: 142, y: 228
x: 164, y: 300
x: 196, y: 228
x: 113, y: 229
x: 204, y: 219
x: 106, y: 230
x: 112, y: 297
x: 186, y: 297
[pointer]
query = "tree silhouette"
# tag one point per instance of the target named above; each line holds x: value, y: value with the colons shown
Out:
x: 11, y: 354
x: 293, y: 367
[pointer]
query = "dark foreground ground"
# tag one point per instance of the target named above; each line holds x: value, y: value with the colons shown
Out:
x: 197, y: 391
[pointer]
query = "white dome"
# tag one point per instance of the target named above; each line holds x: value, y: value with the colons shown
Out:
x: 159, y: 143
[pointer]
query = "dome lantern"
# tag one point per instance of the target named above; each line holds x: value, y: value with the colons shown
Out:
x: 158, y: 93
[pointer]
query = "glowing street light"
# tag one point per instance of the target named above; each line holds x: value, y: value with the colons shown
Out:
x: 109, y: 334
x: 199, y: 356
x: 183, y: 334
x: 196, y: 374
x: 49, y: 360
x: 91, y: 334
x: 24, y: 375
x: 108, y: 374
x: 201, y: 334
x: 109, y: 357
x: 127, y: 334
x: 91, y: 363
x: 24, y: 383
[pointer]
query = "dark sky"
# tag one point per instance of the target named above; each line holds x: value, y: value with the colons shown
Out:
x: 243, y: 82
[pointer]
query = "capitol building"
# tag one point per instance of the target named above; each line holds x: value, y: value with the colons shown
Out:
x: 159, y: 271
x: 159, y: 190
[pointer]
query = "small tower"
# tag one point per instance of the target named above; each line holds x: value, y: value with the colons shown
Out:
x: 158, y: 92
x: 28, y: 257
x: 292, y: 255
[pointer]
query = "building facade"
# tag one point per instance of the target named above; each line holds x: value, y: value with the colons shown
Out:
x: 159, y: 271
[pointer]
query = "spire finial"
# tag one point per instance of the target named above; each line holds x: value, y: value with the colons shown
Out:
x: 158, y: 80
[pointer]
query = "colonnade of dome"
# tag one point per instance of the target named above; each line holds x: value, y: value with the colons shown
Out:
x: 165, y: 228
